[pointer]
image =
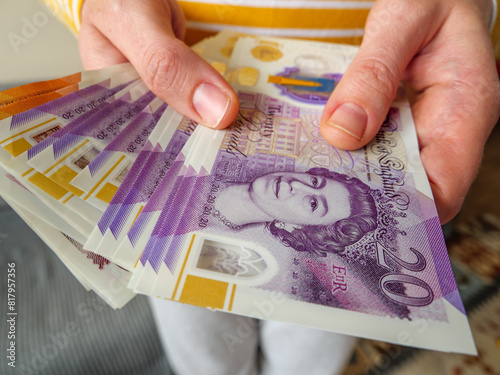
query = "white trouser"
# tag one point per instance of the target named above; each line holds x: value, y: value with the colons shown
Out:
x: 200, y: 341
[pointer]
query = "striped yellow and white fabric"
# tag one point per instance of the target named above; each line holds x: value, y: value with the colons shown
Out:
x: 334, y: 21
x: 340, y: 21
x: 68, y: 12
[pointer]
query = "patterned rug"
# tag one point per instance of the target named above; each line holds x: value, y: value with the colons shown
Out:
x: 474, y: 249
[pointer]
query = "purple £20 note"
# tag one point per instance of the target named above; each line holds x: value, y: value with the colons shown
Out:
x: 355, y: 248
x: 137, y: 205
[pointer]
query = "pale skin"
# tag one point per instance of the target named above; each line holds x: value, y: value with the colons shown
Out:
x: 439, y: 49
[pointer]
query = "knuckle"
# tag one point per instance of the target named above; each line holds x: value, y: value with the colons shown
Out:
x: 378, y: 77
x: 163, y: 71
x: 103, y: 10
x: 473, y: 97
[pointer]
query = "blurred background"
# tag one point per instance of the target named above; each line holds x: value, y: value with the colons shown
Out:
x: 43, y: 50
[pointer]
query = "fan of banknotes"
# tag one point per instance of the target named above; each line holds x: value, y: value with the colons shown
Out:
x: 264, y: 219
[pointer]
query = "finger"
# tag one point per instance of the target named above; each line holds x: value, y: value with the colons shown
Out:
x: 457, y: 106
x: 451, y: 161
x: 394, y: 33
x: 454, y: 121
x: 178, y: 21
x: 92, y: 44
x: 143, y: 32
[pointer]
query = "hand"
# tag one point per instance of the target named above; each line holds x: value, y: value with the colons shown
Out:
x: 146, y: 34
x: 442, y: 52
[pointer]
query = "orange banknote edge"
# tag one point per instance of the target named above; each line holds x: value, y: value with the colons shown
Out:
x: 26, y: 104
x: 34, y: 89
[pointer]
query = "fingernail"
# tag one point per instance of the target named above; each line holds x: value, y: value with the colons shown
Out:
x: 210, y: 103
x: 349, y: 118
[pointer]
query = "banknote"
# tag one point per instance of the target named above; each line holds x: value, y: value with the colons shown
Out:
x: 96, y: 104
x: 132, y: 199
x: 24, y: 214
x: 264, y: 219
x: 26, y: 104
x: 159, y: 152
x: 37, y: 88
x: 302, y: 72
x: 103, y: 175
x: 152, y: 195
x: 109, y: 214
x: 177, y: 189
x: 68, y: 151
x: 23, y: 92
x: 70, y: 155
x: 95, y: 272
x: 267, y: 219
x: 35, y: 129
x: 25, y: 130
x: 73, y: 218
x: 239, y: 75
x: 105, y: 124
x: 18, y: 193
x: 218, y: 49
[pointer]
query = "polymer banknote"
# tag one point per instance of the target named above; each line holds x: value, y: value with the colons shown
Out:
x: 55, y: 179
x: 25, y: 134
x: 70, y: 155
x: 22, y: 131
x: 266, y: 219
x: 94, y: 272
x: 23, y: 98
x: 142, y: 179
x: 121, y: 152
x: 276, y: 212
x: 29, y: 90
x: 151, y: 145
x: 154, y: 193
x: 156, y: 168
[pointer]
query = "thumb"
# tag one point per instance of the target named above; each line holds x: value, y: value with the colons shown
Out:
x: 144, y: 33
x: 360, y: 102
